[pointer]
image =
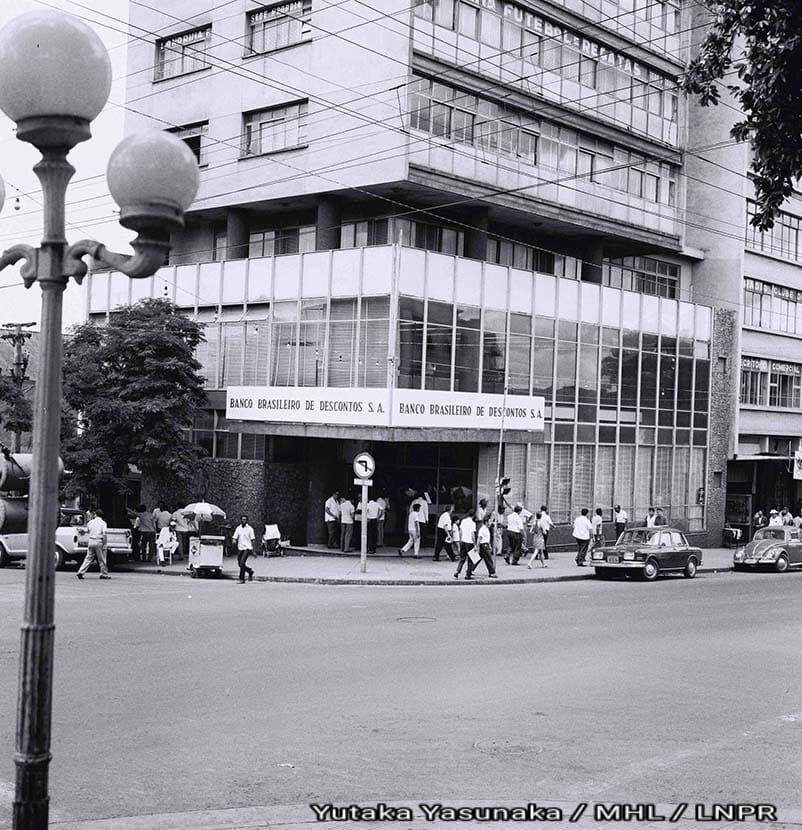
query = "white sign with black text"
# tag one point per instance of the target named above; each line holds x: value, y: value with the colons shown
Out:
x: 412, y: 408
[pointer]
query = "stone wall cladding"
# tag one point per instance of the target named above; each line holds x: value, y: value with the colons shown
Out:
x: 723, y: 388
x: 286, y: 494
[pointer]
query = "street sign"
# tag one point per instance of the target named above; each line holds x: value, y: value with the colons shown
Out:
x: 364, y: 465
x: 366, y: 482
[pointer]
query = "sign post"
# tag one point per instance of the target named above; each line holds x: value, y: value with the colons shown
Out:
x: 364, y: 467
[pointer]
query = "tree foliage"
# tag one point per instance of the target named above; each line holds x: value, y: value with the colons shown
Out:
x: 762, y: 43
x: 132, y: 386
x: 16, y: 414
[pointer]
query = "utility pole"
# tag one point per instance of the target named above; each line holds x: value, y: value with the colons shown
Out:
x: 17, y: 336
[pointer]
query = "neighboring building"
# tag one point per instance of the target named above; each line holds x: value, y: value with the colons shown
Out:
x: 402, y: 211
x: 8, y: 358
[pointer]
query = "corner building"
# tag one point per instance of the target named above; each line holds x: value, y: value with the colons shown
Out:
x: 445, y: 208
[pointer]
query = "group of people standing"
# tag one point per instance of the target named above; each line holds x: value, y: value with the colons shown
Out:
x: 778, y: 518
x: 159, y: 531
x: 341, y: 513
x: 588, y: 532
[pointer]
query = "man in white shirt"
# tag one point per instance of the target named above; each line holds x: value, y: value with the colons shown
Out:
x: 597, y: 523
x: 331, y: 515
x: 620, y: 518
x: 372, y: 516
x: 444, y: 526
x: 96, y: 531
x: 483, y: 540
x: 774, y: 519
x: 481, y: 511
x: 467, y: 529
x: 184, y: 528
x: 546, y: 524
x: 582, y: 532
x: 167, y: 542
x: 382, y: 502
x: 651, y: 517
x: 243, y: 538
x: 787, y: 517
x: 161, y: 516
x: 346, y: 524
x: 515, y: 529
x: 413, y: 527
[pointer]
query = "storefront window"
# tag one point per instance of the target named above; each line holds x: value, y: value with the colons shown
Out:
x: 410, y: 342
x: 494, y: 333
x: 439, y: 336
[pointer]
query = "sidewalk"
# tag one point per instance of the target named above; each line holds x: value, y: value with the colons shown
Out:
x: 315, y: 566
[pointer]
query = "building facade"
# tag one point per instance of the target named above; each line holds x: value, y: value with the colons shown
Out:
x: 421, y: 228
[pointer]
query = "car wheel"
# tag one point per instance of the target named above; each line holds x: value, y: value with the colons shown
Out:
x: 650, y: 570
x: 193, y: 571
x: 690, y: 567
x: 59, y: 559
x: 4, y: 560
x: 781, y: 565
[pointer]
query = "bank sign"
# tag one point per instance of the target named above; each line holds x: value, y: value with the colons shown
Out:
x: 383, y: 407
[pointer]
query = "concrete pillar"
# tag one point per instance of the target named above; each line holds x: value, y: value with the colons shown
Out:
x: 592, y: 259
x: 329, y: 217
x: 476, y: 235
x: 237, y: 230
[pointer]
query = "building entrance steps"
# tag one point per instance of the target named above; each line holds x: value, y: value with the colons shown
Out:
x: 302, y: 565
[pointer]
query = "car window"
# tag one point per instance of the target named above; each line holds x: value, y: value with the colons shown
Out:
x: 770, y: 533
x: 793, y: 534
x: 676, y: 538
x: 655, y: 539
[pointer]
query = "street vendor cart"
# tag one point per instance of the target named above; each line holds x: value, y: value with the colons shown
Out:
x: 207, y: 549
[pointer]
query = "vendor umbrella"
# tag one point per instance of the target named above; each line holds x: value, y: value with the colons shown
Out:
x: 202, y: 511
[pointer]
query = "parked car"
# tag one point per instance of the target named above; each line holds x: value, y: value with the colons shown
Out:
x: 71, y: 541
x: 776, y: 547
x: 647, y: 552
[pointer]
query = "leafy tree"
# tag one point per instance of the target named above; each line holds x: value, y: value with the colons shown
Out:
x: 762, y: 42
x: 131, y: 386
x: 16, y: 414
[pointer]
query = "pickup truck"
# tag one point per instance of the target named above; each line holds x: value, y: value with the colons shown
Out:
x: 70, y: 543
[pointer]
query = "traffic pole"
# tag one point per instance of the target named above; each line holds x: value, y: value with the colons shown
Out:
x: 363, y: 565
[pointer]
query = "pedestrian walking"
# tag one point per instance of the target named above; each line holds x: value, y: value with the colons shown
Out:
x: 136, y: 536
x: 582, y: 532
x: 455, y: 538
x: 546, y: 524
x: 515, y: 529
x: 620, y: 518
x: 413, y: 526
x: 331, y: 516
x: 442, y: 543
x: 167, y: 542
x: 347, y: 511
x: 467, y: 529
x: 597, y: 522
x: 96, y: 547
x: 147, y: 534
x: 485, y: 551
x: 243, y: 538
x: 538, y: 541
x: 382, y: 502
x: 372, y: 517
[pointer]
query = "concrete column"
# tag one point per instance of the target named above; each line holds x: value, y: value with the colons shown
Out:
x: 329, y: 217
x: 237, y: 231
x: 592, y: 258
x: 476, y: 235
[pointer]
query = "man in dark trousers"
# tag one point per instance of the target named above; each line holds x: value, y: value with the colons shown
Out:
x: 243, y: 538
x: 444, y: 525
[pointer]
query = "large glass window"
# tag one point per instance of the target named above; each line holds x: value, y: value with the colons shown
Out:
x: 782, y: 240
x: 566, y: 365
x: 410, y: 343
x: 374, y: 339
x: 467, y: 349
x: 182, y: 53
x: 279, y: 25
x: 342, y: 341
x: 281, y: 241
x: 439, y: 336
x: 312, y: 343
x: 520, y: 345
x: 494, y: 334
x: 274, y: 128
x: 284, y: 344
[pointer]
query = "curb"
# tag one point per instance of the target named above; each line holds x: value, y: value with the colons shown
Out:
x: 331, y: 580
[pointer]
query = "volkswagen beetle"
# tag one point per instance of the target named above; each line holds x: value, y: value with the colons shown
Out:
x: 776, y: 547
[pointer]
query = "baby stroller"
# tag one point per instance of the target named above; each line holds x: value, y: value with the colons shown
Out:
x: 272, y: 543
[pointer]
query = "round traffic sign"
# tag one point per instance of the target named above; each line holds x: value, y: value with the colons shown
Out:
x: 364, y: 465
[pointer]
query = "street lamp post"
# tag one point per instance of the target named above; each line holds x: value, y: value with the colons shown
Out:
x: 55, y: 77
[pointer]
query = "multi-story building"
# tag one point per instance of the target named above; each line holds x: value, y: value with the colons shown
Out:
x: 422, y: 224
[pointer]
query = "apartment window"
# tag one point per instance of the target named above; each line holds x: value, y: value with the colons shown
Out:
x: 781, y: 240
x: 282, y: 241
x: 645, y: 275
x: 274, y: 27
x: 754, y: 387
x: 195, y: 136
x: 275, y: 128
x: 587, y: 71
x: 365, y: 233
x: 180, y: 54
x: 424, y: 9
x: 467, y: 20
x: 774, y: 307
x: 220, y: 245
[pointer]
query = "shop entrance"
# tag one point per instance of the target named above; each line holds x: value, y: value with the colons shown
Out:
x: 408, y: 471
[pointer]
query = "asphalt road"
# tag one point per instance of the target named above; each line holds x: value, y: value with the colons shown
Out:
x: 177, y: 695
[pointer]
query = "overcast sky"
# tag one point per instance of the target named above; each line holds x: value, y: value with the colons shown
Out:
x: 90, y: 210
